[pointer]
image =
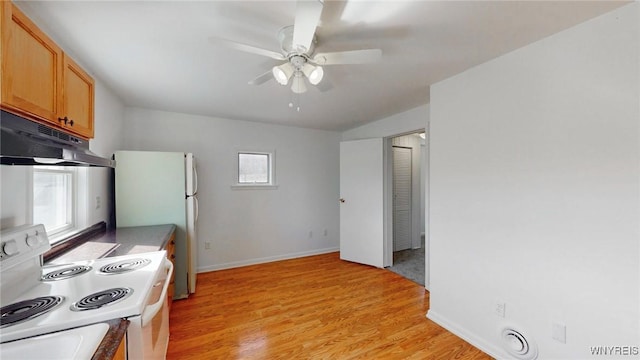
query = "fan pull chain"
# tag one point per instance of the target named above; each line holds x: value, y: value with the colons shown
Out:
x: 295, y: 102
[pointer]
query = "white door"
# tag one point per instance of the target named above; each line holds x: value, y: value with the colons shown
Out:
x: 402, y: 198
x: 361, y: 202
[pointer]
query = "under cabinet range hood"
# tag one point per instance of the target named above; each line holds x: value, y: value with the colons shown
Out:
x: 24, y: 142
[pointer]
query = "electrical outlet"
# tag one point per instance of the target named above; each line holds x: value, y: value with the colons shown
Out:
x: 325, y: 232
x: 98, y: 202
x: 310, y: 234
x: 500, y: 308
x: 207, y: 245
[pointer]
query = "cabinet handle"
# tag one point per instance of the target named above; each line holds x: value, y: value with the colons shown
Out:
x: 71, y: 122
x: 65, y: 119
x: 173, y: 242
x: 173, y: 256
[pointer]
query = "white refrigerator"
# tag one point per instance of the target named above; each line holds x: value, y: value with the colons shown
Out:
x: 153, y: 188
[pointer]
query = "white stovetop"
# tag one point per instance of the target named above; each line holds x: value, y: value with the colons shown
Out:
x: 75, y: 288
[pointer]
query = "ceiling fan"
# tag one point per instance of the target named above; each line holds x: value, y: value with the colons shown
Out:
x: 297, y: 50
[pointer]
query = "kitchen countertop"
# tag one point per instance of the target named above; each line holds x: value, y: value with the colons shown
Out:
x: 120, y: 241
x: 109, y: 345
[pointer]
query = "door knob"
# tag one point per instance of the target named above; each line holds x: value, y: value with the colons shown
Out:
x: 342, y: 200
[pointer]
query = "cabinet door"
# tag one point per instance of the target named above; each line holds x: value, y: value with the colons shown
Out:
x: 31, y: 67
x: 121, y: 351
x: 78, y: 99
x: 171, y: 255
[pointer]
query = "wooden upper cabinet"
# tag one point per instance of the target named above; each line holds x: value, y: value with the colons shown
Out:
x: 31, y: 67
x: 77, y: 98
x: 39, y: 81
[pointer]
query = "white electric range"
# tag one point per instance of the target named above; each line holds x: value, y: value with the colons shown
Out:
x: 39, y: 300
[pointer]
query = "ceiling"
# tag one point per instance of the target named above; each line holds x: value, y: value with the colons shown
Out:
x: 157, y: 54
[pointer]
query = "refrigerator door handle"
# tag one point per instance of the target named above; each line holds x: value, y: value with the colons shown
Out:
x: 195, y: 181
x: 191, y: 175
x: 197, y: 209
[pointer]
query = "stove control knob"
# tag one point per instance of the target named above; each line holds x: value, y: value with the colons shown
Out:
x: 10, y: 248
x: 32, y: 240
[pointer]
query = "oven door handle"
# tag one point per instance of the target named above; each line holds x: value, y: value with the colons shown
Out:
x: 151, y: 310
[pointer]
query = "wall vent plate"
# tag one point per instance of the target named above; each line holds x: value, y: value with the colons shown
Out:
x: 516, y: 343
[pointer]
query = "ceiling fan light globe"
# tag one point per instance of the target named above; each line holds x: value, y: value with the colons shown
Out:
x: 282, y: 73
x: 298, y: 85
x: 280, y: 76
x: 316, y: 75
x: 313, y: 73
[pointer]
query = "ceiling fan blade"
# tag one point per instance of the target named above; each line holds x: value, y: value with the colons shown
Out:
x: 247, y: 48
x: 348, y: 57
x: 304, y: 28
x: 262, y: 78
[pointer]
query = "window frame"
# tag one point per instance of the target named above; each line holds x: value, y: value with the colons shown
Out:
x: 78, y: 195
x: 270, y: 184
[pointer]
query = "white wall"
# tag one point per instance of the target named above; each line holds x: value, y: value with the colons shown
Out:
x: 109, y: 121
x: 14, y: 197
x: 398, y: 124
x: 251, y: 226
x: 109, y: 126
x: 535, y: 191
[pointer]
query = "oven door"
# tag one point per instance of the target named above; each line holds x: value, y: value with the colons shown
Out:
x: 148, y: 334
x: 78, y: 343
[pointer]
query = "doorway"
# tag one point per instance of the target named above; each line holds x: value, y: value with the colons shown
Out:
x: 408, y: 157
x: 366, y: 202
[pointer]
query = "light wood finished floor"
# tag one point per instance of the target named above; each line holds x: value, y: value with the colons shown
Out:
x: 317, y: 307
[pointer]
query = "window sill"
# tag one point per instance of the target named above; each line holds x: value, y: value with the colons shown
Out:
x: 253, y: 187
x: 63, y: 235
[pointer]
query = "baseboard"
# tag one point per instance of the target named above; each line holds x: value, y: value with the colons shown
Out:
x: 464, y: 334
x: 235, y: 264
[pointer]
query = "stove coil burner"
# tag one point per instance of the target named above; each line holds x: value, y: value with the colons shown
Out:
x: 101, y: 298
x: 124, y: 266
x: 66, y: 273
x: 28, y: 309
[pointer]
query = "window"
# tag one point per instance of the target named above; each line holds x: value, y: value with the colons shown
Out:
x: 56, y: 199
x: 255, y: 169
